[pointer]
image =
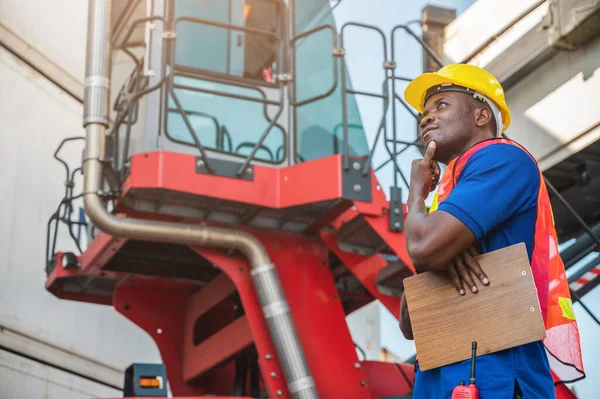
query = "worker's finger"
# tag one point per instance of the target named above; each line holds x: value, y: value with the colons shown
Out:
x: 435, y: 168
x: 435, y: 174
x: 473, y: 251
x: 474, y: 266
x: 464, y: 274
x: 458, y: 284
x: 428, y: 157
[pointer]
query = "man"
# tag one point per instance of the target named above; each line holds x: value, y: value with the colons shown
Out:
x: 492, y: 195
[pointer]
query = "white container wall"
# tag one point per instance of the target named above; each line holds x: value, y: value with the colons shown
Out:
x: 36, y: 115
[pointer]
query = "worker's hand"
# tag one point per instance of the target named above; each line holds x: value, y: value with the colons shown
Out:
x: 425, y: 172
x: 405, y: 325
x: 462, y: 269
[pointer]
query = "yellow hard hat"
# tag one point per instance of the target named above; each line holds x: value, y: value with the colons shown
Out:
x: 458, y: 77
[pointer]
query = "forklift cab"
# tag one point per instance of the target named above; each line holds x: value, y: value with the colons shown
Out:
x: 244, y: 80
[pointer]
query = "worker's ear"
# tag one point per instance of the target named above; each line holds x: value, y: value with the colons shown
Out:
x: 482, y: 116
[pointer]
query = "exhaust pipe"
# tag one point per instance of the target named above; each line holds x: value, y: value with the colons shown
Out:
x: 264, y: 275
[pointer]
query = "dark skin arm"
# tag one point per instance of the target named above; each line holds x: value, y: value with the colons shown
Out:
x: 433, y: 240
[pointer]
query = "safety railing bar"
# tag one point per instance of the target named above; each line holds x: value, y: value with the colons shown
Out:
x: 207, y: 166
x: 397, y: 169
x: 202, y: 74
x: 431, y: 53
x: 372, y: 27
x: 133, y: 57
x: 346, y: 154
x: 70, y: 228
x: 198, y: 113
x: 224, y: 94
x: 131, y: 120
x: 54, y: 218
x: 124, y: 89
x: 63, y: 142
x: 382, y: 125
x: 237, y: 28
x: 366, y: 93
x: 264, y: 100
x: 406, y: 106
x: 572, y: 211
x: 122, y: 115
x: 229, y: 26
x: 262, y: 138
x: 400, y: 152
x: 197, y: 74
x: 404, y: 79
x: 335, y: 83
x: 326, y: 94
x: 427, y: 49
x: 314, y: 30
x: 127, y: 135
x: 137, y: 22
x: 367, y: 164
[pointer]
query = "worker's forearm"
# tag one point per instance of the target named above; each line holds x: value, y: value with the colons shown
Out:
x: 418, y: 230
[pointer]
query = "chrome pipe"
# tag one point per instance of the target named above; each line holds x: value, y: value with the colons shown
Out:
x: 264, y: 275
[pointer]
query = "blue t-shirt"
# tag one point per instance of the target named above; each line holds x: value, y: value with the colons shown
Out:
x: 496, y: 198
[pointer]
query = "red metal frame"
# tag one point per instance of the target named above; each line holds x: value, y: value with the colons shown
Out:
x: 197, y: 328
x: 271, y: 187
x: 365, y: 269
x: 319, y: 318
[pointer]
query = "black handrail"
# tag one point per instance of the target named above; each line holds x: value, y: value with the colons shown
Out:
x: 334, y: 85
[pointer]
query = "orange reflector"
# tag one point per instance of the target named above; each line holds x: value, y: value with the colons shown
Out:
x: 247, y: 9
x: 150, y: 382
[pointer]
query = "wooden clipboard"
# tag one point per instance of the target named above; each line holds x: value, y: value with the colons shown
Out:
x: 502, y: 315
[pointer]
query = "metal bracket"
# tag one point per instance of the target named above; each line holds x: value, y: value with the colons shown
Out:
x: 284, y: 77
x: 225, y: 168
x: 168, y: 35
x: 338, y: 51
x: 396, y: 216
x: 356, y: 185
x: 389, y: 65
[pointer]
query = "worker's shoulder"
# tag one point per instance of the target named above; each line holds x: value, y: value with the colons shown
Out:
x: 505, y: 155
x: 503, y: 162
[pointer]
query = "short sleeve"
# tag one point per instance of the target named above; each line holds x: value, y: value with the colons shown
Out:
x: 497, y: 183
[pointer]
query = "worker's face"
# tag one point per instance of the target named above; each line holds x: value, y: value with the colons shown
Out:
x: 447, y: 121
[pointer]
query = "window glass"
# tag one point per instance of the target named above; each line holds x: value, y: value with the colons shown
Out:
x: 225, y: 50
x: 319, y: 130
x: 223, y: 123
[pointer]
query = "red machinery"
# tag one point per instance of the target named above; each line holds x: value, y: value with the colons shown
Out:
x: 233, y: 263
x: 240, y: 259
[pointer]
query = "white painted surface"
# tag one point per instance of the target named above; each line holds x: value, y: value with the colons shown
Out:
x: 22, y: 378
x: 36, y: 116
x: 484, y: 19
x: 365, y: 328
x: 56, y: 28
x: 375, y: 329
x: 556, y: 109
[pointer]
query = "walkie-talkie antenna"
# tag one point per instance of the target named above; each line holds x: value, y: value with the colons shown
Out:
x: 473, y: 356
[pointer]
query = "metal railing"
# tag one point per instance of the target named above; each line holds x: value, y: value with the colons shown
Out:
x: 393, y: 145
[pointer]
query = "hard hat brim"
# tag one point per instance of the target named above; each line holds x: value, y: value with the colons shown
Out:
x: 414, y: 94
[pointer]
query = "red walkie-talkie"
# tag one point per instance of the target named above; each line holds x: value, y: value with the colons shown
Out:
x: 470, y: 391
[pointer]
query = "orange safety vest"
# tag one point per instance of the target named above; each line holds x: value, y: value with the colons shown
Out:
x: 562, y: 334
